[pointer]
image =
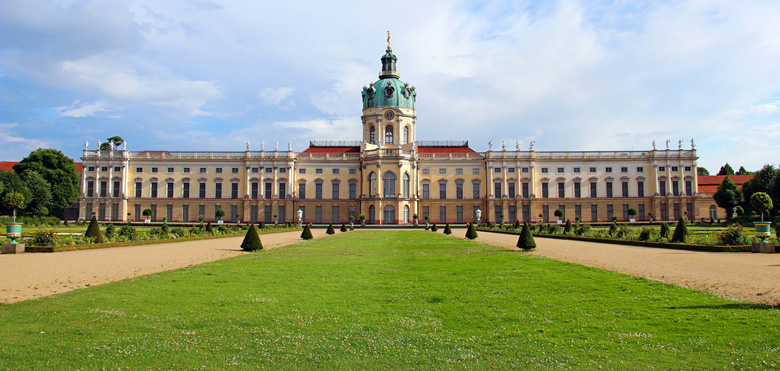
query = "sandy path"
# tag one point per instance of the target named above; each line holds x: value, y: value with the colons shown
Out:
x: 29, y: 276
x: 743, y: 276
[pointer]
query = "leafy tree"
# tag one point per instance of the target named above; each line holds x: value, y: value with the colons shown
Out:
x: 567, y: 227
x: 12, y: 182
x: 13, y: 200
x: 252, y: 240
x: 471, y: 232
x: 726, y: 170
x: 306, y: 234
x: 40, y: 192
x: 148, y: 213
x: 680, y: 232
x: 526, y: 240
x: 702, y: 171
x: 632, y: 213
x: 762, y: 181
x: 447, y: 229
x: 220, y: 214
x: 558, y: 213
x: 742, y: 171
x: 117, y: 140
x: 57, y: 169
x: 330, y: 230
x: 761, y: 202
x: 728, y: 195
x: 93, y: 230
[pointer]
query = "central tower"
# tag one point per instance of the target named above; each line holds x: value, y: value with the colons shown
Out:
x: 388, y: 152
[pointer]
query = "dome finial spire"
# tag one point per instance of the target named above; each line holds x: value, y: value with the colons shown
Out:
x: 388, y: 40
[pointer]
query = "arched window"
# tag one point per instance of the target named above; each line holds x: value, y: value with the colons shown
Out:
x: 406, y: 135
x: 388, y: 184
x: 406, y: 185
x: 372, y: 184
x: 388, y: 134
x: 372, y: 135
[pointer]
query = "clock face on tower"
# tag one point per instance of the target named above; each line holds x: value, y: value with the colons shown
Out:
x: 389, y: 115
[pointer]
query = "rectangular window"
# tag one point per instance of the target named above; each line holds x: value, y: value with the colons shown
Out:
x: 269, y: 170
x: 510, y: 170
x: 544, y: 170
x: 688, y: 187
x: 201, y: 211
x: 91, y: 188
x: 169, y: 212
x: 576, y: 170
x: 268, y: 214
x: 610, y: 211
x: 623, y: 169
x: 442, y: 214
x: 459, y: 191
x: 662, y: 168
x: 153, y: 190
x: 202, y: 191
x: 218, y: 190
x: 202, y: 170
x: 641, y: 211
x: 459, y: 171
x: 335, y: 191
x: 218, y: 170
x: 442, y: 191
x: 499, y: 217
x: 170, y: 170
x: 662, y: 187
x: 676, y: 187
x: 138, y: 189
x: 318, y: 191
x: 526, y: 190
x: 640, y: 169
x: 592, y: 170
x: 282, y: 190
x: 234, y: 190
x: 352, y: 171
x: 689, y: 209
x: 119, y: 168
x: 302, y: 190
x: 336, y: 171
x: 318, y: 214
x: 137, y: 170
x: 185, y: 213
x: 608, y: 169
x: 624, y: 189
x: 594, y: 213
x: 426, y: 212
x: 545, y: 190
x: 353, y: 212
x: 255, y: 190
x: 594, y: 189
x: 185, y: 189
x: 318, y: 171
x: 116, y: 189
x: 526, y: 213
x: 137, y: 212
x: 282, y: 169
x: 352, y: 191
x: 560, y: 170
x: 234, y: 170
x: 675, y: 168
x: 103, y: 168
x: 334, y: 214
x: 186, y: 170
x: 169, y: 189
x: 609, y: 189
x: 154, y: 169
x: 546, y: 213
x: 676, y: 209
x: 497, y: 189
x: 426, y: 171
x: 442, y: 171
x: 475, y: 170
x: 103, y: 188
x: 426, y: 191
x: 577, y: 190
x: 525, y: 170
x: 561, y: 190
x: 687, y: 168
x: 301, y: 171
x: 640, y: 189
x: 496, y: 170
x: 625, y: 211
x: 459, y: 214
x: 511, y: 190
x: 216, y: 208
x: 269, y: 189
x: 475, y: 191
x: 578, y: 211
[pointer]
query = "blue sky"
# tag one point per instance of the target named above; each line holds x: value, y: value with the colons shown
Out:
x: 569, y: 75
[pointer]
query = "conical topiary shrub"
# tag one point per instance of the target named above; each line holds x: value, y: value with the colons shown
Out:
x: 517, y: 224
x: 93, y: 230
x: 252, y: 240
x: 664, y: 230
x: 613, y: 229
x: 567, y: 227
x: 330, y: 229
x: 343, y: 228
x: 209, y: 228
x: 447, y: 229
x: 680, y: 232
x: 526, y: 240
x: 471, y: 233
x: 434, y: 228
x: 306, y: 234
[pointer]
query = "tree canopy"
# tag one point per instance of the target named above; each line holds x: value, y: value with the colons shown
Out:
x: 728, y: 195
x: 702, y: 171
x: 40, y: 192
x: 59, y: 171
x: 763, y: 180
x: 742, y: 171
x: 726, y: 170
x: 117, y: 140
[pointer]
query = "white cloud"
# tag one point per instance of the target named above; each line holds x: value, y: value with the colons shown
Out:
x: 78, y: 109
x: 15, y: 148
x: 275, y: 97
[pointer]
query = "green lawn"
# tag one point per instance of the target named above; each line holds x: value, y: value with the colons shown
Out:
x: 388, y: 300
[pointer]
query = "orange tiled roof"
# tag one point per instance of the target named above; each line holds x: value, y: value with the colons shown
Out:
x: 445, y: 150
x: 710, y: 183
x: 9, y: 165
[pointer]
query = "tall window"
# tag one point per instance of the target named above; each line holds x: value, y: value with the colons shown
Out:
x: 407, y: 180
x: 282, y: 190
x: 269, y: 189
x: 442, y: 190
x: 255, y: 192
x: 609, y: 189
x: 475, y: 190
x: 91, y: 188
x: 406, y: 135
x: 318, y: 191
x: 577, y: 190
x: 372, y: 190
x: 234, y: 190
x: 640, y: 189
x: 459, y: 191
x: 561, y: 190
x: 169, y: 190
x: 389, y: 134
x: 662, y: 187
x: 352, y: 191
x: 676, y: 187
x: 624, y: 187
x: 388, y: 183
x: 138, y: 189
x: 116, y: 189
x: 218, y: 190
x: 103, y: 188
x: 372, y: 135
x: 153, y: 190
x: 185, y: 190
x: 526, y: 190
x: 545, y: 190
x: 335, y: 191
x: 426, y: 191
x: 497, y: 189
x: 593, y: 190
x: 201, y: 190
x: 688, y: 188
x: 512, y: 192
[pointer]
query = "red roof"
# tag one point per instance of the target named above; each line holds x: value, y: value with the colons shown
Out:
x: 445, y: 150
x: 9, y: 165
x: 332, y: 149
x: 710, y: 183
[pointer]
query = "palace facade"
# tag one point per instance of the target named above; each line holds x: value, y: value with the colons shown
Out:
x: 389, y: 176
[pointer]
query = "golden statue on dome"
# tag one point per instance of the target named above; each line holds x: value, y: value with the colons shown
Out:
x: 388, y: 40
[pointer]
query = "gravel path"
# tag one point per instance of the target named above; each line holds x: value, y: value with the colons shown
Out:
x: 743, y: 276
x: 30, y: 276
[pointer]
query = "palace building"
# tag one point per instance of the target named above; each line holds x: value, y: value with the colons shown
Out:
x: 389, y: 176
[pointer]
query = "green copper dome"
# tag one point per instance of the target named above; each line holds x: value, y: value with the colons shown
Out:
x: 389, y: 91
